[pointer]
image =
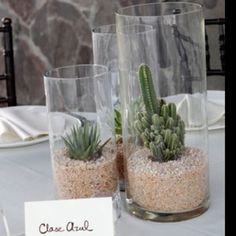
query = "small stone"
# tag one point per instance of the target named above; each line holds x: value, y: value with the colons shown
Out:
x: 78, y: 179
x: 177, y: 185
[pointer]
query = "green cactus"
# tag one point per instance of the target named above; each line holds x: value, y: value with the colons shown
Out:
x: 160, y: 127
x: 118, y: 125
x: 83, y: 142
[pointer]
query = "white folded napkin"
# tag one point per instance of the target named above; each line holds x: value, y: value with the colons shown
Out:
x: 191, y: 106
x: 22, y: 123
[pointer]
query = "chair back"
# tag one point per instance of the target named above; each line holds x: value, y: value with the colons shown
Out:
x: 9, y: 73
x: 220, y: 22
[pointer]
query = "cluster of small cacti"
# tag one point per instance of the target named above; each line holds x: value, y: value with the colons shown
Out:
x: 160, y: 127
x: 83, y: 142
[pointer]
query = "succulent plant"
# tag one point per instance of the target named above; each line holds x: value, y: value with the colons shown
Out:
x: 160, y: 127
x: 118, y: 125
x: 83, y: 142
x: 135, y: 106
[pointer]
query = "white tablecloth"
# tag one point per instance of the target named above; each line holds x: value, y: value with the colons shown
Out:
x: 25, y: 175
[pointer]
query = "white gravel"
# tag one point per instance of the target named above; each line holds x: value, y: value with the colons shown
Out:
x: 79, y: 179
x: 171, y: 186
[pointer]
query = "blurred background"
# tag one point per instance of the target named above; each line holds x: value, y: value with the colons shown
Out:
x: 53, y: 33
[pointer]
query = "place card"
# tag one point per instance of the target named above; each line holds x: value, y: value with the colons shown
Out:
x: 80, y: 217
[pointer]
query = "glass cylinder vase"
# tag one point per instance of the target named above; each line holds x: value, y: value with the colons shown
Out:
x: 4, y: 229
x: 81, y: 132
x: 163, y: 78
x: 105, y: 53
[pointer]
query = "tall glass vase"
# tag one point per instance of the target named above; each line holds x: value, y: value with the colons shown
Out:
x: 105, y: 53
x: 4, y: 229
x: 163, y: 79
x: 81, y: 132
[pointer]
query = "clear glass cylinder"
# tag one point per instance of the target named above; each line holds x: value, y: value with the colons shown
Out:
x: 4, y: 229
x: 163, y: 79
x: 81, y: 132
x: 105, y: 53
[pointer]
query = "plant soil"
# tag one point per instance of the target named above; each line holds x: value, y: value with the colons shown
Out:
x: 120, y: 161
x: 172, y: 186
x: 80, y: 179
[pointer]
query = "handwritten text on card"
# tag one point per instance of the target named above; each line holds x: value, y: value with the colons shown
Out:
x: 92, y: 216
x: 70, y: 227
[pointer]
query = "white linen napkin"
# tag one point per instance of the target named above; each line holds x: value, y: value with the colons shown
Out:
x: 22, y: 123
x: 190, y: 108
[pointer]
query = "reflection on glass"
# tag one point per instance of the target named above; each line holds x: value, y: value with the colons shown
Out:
x: 4, y: 229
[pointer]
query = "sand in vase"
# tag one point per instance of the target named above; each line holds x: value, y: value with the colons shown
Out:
x: 120, y: 161
x: 172, y: 186
x: 80, y: 179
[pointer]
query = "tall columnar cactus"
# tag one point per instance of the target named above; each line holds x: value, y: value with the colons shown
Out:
x: 160, y: 127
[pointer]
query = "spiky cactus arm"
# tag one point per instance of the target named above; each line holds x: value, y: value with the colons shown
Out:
x: 118, y: 122
x: 118, y: 126
x: 160, y: 127
x: 149, y: 95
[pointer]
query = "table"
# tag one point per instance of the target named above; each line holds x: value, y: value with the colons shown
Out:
x: 25, y: 175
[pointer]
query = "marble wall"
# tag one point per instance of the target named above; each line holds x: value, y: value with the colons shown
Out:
x: 53, y: 33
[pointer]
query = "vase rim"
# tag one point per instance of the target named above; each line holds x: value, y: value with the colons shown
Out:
x: 95, y: 30
x: 146, y: 28
x: 98, y: 29
x: 198, y: 8
x: 50, y: 73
